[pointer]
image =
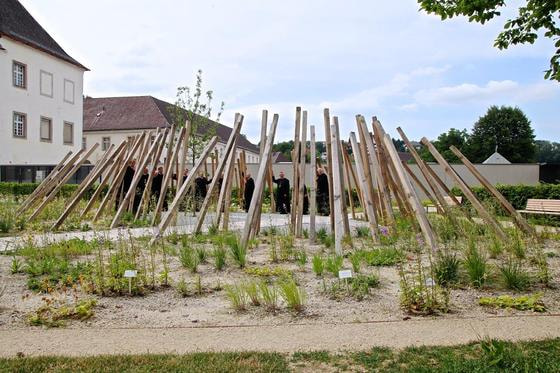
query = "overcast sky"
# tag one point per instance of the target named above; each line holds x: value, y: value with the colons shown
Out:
x: 381, y: 57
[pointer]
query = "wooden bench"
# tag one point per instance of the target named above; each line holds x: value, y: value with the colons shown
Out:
x: 542, y: 206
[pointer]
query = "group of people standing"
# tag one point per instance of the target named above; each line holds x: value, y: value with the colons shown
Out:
x: 283, y: 199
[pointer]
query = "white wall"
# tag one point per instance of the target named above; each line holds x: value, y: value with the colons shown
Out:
x: 117, y: 137
x: 31, y: 150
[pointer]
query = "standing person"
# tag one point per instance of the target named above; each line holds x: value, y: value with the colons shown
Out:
x: 305, y: 201
x: 248, y: 194
x: 200, y: 189
x: 323, y: 207
x: 156, y: 186
x: 140, y: 189
x: 126, y: 182
x: 282, y: 194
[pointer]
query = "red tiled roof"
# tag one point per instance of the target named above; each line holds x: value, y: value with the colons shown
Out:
x: 142, y: 113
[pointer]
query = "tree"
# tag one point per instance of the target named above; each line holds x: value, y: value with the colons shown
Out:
x: 196, y: 107
x: 533, y: 16
x: 456, y: 137
x: 507, y: 128
x: 284, y: 147
x: 399, y: 145
x: 548, y: 152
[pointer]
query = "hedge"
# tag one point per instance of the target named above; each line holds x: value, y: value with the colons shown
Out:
x: 24, y: 189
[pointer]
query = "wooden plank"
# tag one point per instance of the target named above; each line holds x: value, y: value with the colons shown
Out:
x: 168, y: 174
x: 348, y: 162
x: 441, y: 183
x: 368, y: 197
x: 413, y: 199
x: 229, y: 176
x: 295, y: 169
x: 142, y: 156
x: 49, y: 197
x: 517, y: 218
x: 184, y: 154
x: 422, y: 188
x: 327, y: 123
x: 347, y: 180
x: 338, y: 209
x: 259, y: 182
x: 105, y: 180
x: 135, y: 180
x: 227, y: 192
x: 466, y: 190
x: 301, y: 174
x: 264, y: 126
x: 116, y: 182
x: 160, y: 230
x: 216, y: 178
x: 345, y: 222
x: 106, y: 162
x: 313, y: 186
x: 370, y: 167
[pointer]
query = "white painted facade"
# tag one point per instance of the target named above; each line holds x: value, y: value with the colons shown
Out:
x: 117, y: 136
x: 54, y: 91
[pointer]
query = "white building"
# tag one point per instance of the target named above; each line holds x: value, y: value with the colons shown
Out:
x: 110, y: 120
x: 41, y: 90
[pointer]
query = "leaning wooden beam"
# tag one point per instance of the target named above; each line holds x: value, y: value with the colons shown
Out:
x: 295, y: 169
x: 413, y: 199
x: 143, y: 157
x: 183, y: 190
x: 226, y: 197
x: 423, y: 188
x: 441, y: 205
x: 313, y: 186
x: 259, y: 183
x: 368, y: 193
x: 345, y: 222
x: 216, y: 177
x: 44, y: 184
x: 348, y: 181
x: 184, y: 154
x: 105, y: 180
x: 327, y: 123
x: 338, y: 209
x: 264, y: 127
x: 351, y: 173
x: 168, y: 175
x: 107, y: 161
x: 63, y: 181
x: 116, y: 182
x: 441, y: 183
x: 517, y: 218
x: 137, y: 176
x: 466, y: 190
x: 229, y: 176
x: 301, y: 174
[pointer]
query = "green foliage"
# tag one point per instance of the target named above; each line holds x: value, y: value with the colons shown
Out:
x: 238, y: 252
x: 301, y: 257
x: 318, y: 264
x: 383, y: 256
x: 237, y: 296
x: 523, y: 303
x: 54, y: 313
x: 534, y: 18
x: 183, y: 288
x: 269, y: 296
x: 252, y: 291
x: 202, y: 254
x: 278, y: 272
x: 548, y: 152
x: 446, y: 269
x: 334, y: 264
x: 24, y: 189
x: 356, y: 261
x: 362, y: 232
x: 475, y: 264
x: 188, y: 258
x: 219, y: 255
x: 16, y: 265
x: 293, y: 295
x: 458, y: 138
x: 514, y: 276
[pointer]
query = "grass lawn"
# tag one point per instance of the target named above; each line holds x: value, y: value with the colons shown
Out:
x: 485, y: 356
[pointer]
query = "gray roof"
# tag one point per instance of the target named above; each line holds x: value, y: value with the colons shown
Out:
x: 18, y: 24
x: 496, y: 158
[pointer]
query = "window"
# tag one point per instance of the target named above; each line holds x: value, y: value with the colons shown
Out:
x: 84, y: 143
x: 68, y: 133
x: 68, y: 91
x: 46, y: 84
x: 19, y: 75
x: 105, y: 143
x: 46, y: 129
x: 20, y: 125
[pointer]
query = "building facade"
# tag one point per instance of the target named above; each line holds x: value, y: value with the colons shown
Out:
x: 41, y: 90
x: 110, y: 120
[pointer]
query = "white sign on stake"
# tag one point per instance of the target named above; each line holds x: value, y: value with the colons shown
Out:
x: 129, y: 273
x: 345, y: 273
x: 430, y: 282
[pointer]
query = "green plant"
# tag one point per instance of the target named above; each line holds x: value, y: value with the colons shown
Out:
x: 293, y: 295
x: 198, y: 285
x: 237, y: 297
x: 16, y: 265
x: 202, y: 255
x: 526, y: 302
x: 188, y: 258
x: 219, y: 255
x: 318, y: 264
x: 213, y: 229
x: 475, y: 264
x: 514, y: 276
x: 279, y: 272
x: 446, y: 269
x: 495, y: 248
x: 383, y: 256
x: 238, y: 252
x: 252, y: 291
x: 301, y: 257
x: 321, y: 234
x: 286, y: 247
x: 269, y: 296
x: 362, y: 232
x: 182, y: 288
x: 518, y: 246
x: 356, y: 261
x: 273, y: 252
x: 53, y: 312
x: 334, y: 265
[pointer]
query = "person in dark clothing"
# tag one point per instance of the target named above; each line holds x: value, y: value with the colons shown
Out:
x: 140, y: 190
x: 305, y: 201
x: 200, y: 189
x: 248, y: 194
x: 156, y: 187
x: 323, y: 207
x: 282, y: 194
x: 126, y: 182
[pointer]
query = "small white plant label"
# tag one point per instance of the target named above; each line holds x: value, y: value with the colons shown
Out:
x: 430, y: 282
x: 129, y: 273
x: 345, y: 273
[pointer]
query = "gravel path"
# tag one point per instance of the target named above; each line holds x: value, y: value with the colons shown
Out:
x: 285, y: 338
